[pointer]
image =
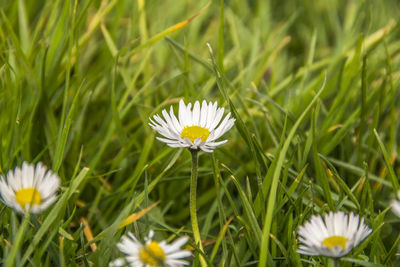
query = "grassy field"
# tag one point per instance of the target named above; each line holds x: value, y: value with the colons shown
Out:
x: 314, y: 87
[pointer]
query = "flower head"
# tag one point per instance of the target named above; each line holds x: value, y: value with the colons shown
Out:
x: 196, y: 129
x: 396, y: 205
x: 334, y: 236
x: 152, y: 253
x: 29, y: 188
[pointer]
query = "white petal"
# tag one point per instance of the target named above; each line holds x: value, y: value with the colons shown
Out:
x: 188, y: 114
x: 117, y: 263
x: 395, y: 207
x: 177, y: 244
x: 182, y: 110
x: 225, y: 126
x: 196, y: 113
x: 203, y: 114
x: 212, y: 109
x: 217, y: 118
x: 175, y: 121
x: 206, y: 149
x: 170, y: 124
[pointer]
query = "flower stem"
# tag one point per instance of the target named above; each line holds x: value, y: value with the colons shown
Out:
x: 193, y: 209
x: 336, y: 263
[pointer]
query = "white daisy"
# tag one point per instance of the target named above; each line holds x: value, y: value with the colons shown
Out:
x: 396, y: 205
x: 29, y: 188
x: 197, y: 128
x: 152, y: 253
x: 333, y: 236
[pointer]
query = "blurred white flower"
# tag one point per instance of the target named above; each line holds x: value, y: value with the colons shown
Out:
x: 334, y: 236
x: 396, y: 205
x: 29, y: 188
x: 152, y: 253
x: 196, y: 129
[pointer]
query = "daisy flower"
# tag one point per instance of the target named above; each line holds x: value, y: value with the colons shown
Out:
x: 334, y: 236
x: 152, y: 253
x: 29, y: 188
x: 196, y: 129
x: 396, y: 205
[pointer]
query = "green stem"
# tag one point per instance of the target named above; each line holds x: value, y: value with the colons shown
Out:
x: 193, y: 209
x: 18, y: 240
x: 336, y: 263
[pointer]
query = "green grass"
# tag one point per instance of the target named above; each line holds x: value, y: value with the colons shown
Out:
x: 313, y: 85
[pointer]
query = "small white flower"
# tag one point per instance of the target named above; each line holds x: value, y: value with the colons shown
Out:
x: 396, y: 205
x: 29, y: 188
x: 151, y: 254
x: 333, y: 236
x: 195, y: 129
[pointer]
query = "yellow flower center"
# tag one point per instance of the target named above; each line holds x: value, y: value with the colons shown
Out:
x: 334, y: 241
x: 194, y: 132
x: 152, y: 254
x: 28, y: 196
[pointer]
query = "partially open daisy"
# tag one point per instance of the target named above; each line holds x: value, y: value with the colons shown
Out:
x: 395, y: 204
x: 196, y: 129
x: 152, y: 253
x: 29, y: 188
x: 334, y: 236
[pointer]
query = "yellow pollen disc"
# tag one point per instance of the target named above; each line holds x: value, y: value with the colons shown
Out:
x: 28, y: 196
x: 335, y: 241
x: 194, y: 132
x: 152, y: 254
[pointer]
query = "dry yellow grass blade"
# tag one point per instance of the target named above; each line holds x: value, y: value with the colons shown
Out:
x: 375, y: 37
x: 167, y: 32
x: 88, y: 233
x: 93, y: 25
x: 94, y: 22
x: 137, y: 215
